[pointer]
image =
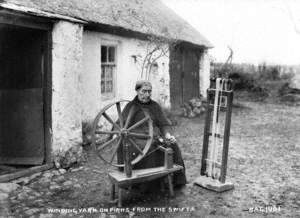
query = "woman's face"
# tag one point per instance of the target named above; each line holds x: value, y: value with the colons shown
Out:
x: 144, y: 93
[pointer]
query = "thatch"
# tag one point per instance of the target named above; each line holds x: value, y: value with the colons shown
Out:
x: 143, y: 16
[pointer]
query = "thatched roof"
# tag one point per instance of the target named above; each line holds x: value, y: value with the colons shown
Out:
x: 143, y: 16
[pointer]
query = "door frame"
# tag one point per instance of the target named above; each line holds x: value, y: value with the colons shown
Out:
x: 177, y: 74
x: 15, y: 18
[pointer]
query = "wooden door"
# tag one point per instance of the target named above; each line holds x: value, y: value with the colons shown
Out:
x: 176, y: 74
x: 21, y: 96
x: 184, y: 75
x: 190, y: 78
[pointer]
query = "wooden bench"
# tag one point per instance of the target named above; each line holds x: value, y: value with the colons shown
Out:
x: 120, y: 181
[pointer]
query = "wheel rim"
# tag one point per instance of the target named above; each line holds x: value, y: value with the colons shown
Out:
x: 108, y: 138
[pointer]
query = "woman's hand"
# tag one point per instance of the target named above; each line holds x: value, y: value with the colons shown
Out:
x: 170, y: 138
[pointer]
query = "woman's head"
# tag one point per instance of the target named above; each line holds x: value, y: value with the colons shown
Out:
x: 143, y: 90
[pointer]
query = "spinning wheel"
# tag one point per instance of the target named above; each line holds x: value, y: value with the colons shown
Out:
x: 122, y: 139
x: 113, y: 129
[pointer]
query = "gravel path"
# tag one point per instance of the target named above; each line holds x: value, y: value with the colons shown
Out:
x: 264, y: 165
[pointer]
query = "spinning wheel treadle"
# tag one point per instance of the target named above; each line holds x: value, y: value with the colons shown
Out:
x: 111, y: 133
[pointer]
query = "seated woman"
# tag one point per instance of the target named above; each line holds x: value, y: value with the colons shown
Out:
x: 154, y: 157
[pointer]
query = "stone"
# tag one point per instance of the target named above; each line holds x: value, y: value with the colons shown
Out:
x: 37, y: 194
x: 32, y: 211
x: 60, y: 179
x: 67, y: 183
x: 30, y: 197
x: 66, y: 159
x: 8, y: 187
x: 48, y: 174
x: 32, y: 177
x: 197, y: 110
x: 53, y: 187
x: 77, y: 186
x: 62, y: 171
x: 42, y: 215
x: 56, y: 172
x: 13, y: 201
x: 76, y: 169
x: 22, y: 181
x: 48, y: 193
x: 4, y: 211
x: 44, y: 180
x: 3, y: 197
x: 22, y: 196
x: 27, y: 189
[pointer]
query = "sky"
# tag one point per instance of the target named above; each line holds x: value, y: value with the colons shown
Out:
x: 257, y: 30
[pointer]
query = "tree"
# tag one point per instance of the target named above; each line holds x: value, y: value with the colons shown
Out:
x: 295, y: 21
x: 158, y: 44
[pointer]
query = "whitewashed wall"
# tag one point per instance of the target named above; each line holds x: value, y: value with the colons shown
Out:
x: 128, y: 72
x: 66, y: 98
x: 76, y: 71
x: 204, y: 72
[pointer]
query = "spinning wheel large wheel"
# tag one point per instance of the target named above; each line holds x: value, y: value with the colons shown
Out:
x: 112, y: 129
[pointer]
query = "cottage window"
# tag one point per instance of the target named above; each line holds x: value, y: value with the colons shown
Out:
x: 108, y: 68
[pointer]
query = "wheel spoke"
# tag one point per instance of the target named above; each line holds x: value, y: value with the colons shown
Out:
x: 139, y: 123
x: 116, y: 150
x: 120, y: 114
x: 107, y: 143
x: 111, y: 121
x: 106, y: 132
x: 135, y: 145
x: 139, y: 135
x: 130, y: 115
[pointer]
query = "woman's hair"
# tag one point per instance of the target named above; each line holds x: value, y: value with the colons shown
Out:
x: 140, y: 83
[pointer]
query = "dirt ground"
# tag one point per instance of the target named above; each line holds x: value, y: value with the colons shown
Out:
x: 263, y: 164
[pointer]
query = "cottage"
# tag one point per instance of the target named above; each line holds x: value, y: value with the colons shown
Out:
x: 62, y: 60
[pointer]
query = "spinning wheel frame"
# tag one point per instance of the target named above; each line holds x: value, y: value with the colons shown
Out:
x: 124, y: 133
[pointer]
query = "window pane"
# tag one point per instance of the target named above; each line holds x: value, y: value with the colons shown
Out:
x: 111, y: 54
x: 109, y: 86
x: 102, y: 72
x: 109, y: 72
x: 103, y: 54
x: 102, y: 87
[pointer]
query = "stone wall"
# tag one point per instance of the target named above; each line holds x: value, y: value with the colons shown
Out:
x: 66, y: 96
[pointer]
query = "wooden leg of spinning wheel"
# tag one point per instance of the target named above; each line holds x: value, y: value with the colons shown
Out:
x: 119, y: 197
x: 162, y: 182
x: 170, y: 185
x: 112, y: 192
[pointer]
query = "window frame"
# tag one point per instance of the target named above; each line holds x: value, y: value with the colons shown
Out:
x: 109, y: 95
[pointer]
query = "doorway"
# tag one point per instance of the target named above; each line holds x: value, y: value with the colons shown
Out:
x: 184, y: 74
x: 24, y: 112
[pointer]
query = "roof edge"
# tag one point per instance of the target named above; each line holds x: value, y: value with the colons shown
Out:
x: 36, y: 12
x: 97, y: 26
x: 123, y: 32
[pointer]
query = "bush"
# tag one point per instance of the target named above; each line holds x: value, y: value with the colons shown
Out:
x: 287, y: 76
x: 271, y: 72
x: 242, y: 81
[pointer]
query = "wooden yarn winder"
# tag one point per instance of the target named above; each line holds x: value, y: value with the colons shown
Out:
x: 215, y: 140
